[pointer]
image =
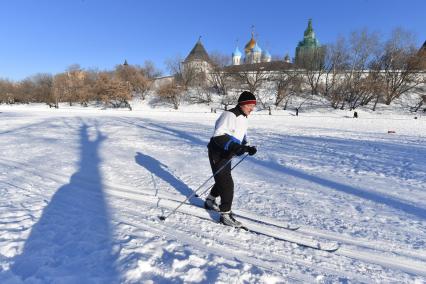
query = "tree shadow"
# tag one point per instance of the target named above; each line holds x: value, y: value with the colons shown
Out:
x: 158, y: 128
x: 72, y: 241
x: 387, y: 158
x: 375, y: 197
x: 181, y: 134
x: 24, y: 128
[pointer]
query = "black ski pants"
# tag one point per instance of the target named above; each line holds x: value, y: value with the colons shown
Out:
x: 224, y: 184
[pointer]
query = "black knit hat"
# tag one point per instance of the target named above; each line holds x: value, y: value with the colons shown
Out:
x: 246, y: 98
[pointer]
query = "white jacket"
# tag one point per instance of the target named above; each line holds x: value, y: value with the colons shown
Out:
x: 230, y: 127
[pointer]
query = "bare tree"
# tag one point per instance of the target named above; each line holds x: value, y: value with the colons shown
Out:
x: 24, y: 91
x: 219, y: 59
x: 376, y: 87
x: 113, y: 91
x: 190, y: 78
x: 252, y: 78
x: 421, y: 59
x: 171, y: 92
x: 72, y: 84
x: 186, y: 76
x: 88, y: 89
x: 220, y: 79
x: 420, y: 92
x: 363, y: 49
x: 60, y: 89
x: 149, y: 70
x: 287, y: 85
x: 42, y: 87
x: 312, y: 66
x: 336, y: 62
x: 135, y: 77
x: 200, y: 90
x: 7, y: 91
x: 398, y: 65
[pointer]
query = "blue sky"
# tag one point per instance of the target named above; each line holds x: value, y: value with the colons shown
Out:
x: 47, y: 36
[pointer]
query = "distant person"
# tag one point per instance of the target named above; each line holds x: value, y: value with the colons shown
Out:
x: 297, y: 111
x: 355, y: 114
x: 229, y: 139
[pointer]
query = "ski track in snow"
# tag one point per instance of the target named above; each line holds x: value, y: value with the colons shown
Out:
x: 81, y: 194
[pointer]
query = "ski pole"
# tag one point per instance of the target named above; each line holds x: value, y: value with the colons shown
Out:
x: 245, y: 156
x: 162, y: 218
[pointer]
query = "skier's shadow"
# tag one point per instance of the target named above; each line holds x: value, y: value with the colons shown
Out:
x: 161, y: 170
x: 72, y: 239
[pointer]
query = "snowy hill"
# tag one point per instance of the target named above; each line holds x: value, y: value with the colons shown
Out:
x: 81, y: 189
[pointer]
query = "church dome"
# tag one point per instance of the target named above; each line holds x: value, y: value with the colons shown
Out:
x: 256, y: 48
x: 237, y: 52
x: 266, y: 54
x: 250, y: 45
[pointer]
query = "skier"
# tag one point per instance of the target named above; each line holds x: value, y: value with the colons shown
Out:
x: 229, y: 139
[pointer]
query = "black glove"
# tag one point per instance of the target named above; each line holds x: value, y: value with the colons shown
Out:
x: 251, y: 150
x: 240, y: 150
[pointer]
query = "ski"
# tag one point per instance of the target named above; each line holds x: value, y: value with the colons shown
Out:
x: 254, y: 227
x: 298, y: 239
x: 193, y: 209
x: 252, y: 217
x: 198, y: 202
x: 266, y: 221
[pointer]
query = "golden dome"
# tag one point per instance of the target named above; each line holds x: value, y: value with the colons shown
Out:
x: 250, y: 45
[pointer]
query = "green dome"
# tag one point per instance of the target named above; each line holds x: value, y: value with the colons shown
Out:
x: 309, y: 40
x: 309, y: 45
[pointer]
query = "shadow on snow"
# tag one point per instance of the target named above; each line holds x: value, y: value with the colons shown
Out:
x: 368, y: 195
x: 73, y: 239
x: 160, y: 170
x: 375, y: 197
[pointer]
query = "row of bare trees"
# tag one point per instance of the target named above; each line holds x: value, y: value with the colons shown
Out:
x: 356, y: 71
x: 362, y: 70
x: 77, y: 86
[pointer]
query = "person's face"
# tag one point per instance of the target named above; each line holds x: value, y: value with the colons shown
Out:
x: 247, y: 109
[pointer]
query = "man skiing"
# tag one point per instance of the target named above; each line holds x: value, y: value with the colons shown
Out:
x: 229, y: 139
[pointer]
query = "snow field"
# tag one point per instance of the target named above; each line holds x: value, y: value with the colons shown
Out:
x: 80, y: 191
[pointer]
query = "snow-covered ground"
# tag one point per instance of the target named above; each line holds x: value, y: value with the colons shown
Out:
x: 81, y: 189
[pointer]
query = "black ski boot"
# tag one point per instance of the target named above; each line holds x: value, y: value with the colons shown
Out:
x: 227, y: 218
x: 210, y: 204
